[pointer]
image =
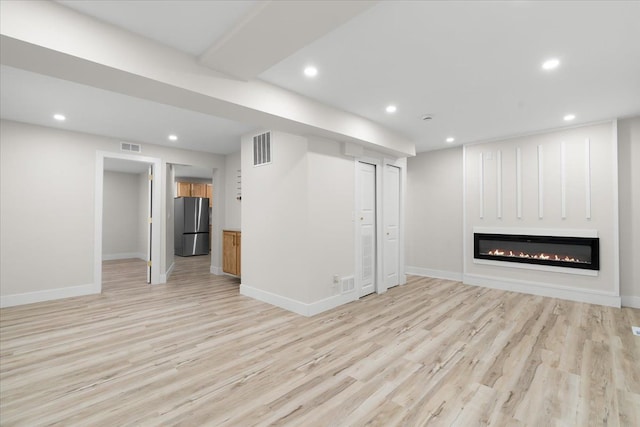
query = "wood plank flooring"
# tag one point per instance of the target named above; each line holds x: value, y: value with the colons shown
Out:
x: 433, y: 352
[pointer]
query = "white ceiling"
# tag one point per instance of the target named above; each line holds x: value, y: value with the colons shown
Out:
x: 34, y: 98
x: 475, y: 66
x: 187, y: 25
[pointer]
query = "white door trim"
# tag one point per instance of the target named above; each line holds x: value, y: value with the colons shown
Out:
x: 98, y: 206
x: 151, y: 172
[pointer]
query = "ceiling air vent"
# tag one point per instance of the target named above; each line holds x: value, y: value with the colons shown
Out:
x: 133, y: 148
x: 262, y: 149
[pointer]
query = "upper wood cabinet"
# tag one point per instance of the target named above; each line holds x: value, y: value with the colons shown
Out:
x: 195, y: 189
x: 198, y: 190
x: 210, y: 194
x: 184, y: 189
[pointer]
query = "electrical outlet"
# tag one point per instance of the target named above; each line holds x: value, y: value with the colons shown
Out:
x: 636, y: 330
x: 336, y: 279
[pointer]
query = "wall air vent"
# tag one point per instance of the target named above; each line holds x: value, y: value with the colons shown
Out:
x: 348, y: 284
x: 132, y: 148
x: 262, y: 149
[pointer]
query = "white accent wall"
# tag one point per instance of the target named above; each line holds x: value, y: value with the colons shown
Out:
x: 436, y: 203
x: 629, y: 196
x: 123, y: 233
x: 518, y: 184
x: 47, y: 245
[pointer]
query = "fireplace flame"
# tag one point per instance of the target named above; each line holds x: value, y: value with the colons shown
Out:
x: 543, y: 256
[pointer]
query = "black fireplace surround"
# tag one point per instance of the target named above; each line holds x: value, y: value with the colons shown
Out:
x: 572, y: 252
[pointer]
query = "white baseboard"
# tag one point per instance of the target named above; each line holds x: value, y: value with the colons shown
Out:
x: 630, y: 301
x: 331, y: 302
x: 544, y: 289
x: 216, y: 270
x: 436, y: 274
x: 48, y: 295
x: 298, y: 307
x: 124, y: 255
x: 165, y: 276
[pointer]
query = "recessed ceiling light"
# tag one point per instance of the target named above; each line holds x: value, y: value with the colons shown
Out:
x: 173, y: 137
x: 59, y: 117
x: 569, y: 117
x: 310, y: 71
x: 450, y: 139
x: 550, y: 64
x: 391, y: 109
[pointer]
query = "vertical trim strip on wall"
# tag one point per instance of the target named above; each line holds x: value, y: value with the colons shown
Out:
x: 519, y: 183
x: 499, y: 182
x: 587, y: 177
x: 540, y: 183
x: 563, y: 179
x: 616, y: 207
x: 481, y: 185
x: 465, y: 255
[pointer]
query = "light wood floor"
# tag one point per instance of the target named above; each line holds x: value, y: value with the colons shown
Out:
x: 195, y: 352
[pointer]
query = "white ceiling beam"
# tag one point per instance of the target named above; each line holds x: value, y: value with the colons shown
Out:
x: 50, y: 39
x: 273, y: 30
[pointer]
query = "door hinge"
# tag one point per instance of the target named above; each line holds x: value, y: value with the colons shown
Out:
x: 150, y: 177
x: 148, y: 263
x: 150, y: 220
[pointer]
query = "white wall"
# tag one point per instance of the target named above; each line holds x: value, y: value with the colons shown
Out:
x: 297, y: 223
x: 60, y: 167
x: 46, y: 220
x: 629, y: 196
x: 331, y: 200
x: 275, y: 243
x: 233, y: 206
x: 143, y: 213
x: 121, y: 216
x: 434, y: 214
x: 482, y: 206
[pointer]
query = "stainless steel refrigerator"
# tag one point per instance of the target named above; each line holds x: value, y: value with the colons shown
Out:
x: 191, y: 226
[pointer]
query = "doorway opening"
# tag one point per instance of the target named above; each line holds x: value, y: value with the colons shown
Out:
x: 127, y: 201
x: 191, y: 234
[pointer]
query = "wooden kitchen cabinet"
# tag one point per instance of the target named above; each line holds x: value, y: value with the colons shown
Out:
x: 231, y: 243
x: 195, y: 189
x: 184, y: 189
x: 198, y: 190
x: 210, y: 194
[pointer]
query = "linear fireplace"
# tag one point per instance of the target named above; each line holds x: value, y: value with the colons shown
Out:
x: 559, y: 251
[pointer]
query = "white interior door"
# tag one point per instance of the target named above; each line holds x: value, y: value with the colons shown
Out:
x: 367, y: 224
x: 391, y: 214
